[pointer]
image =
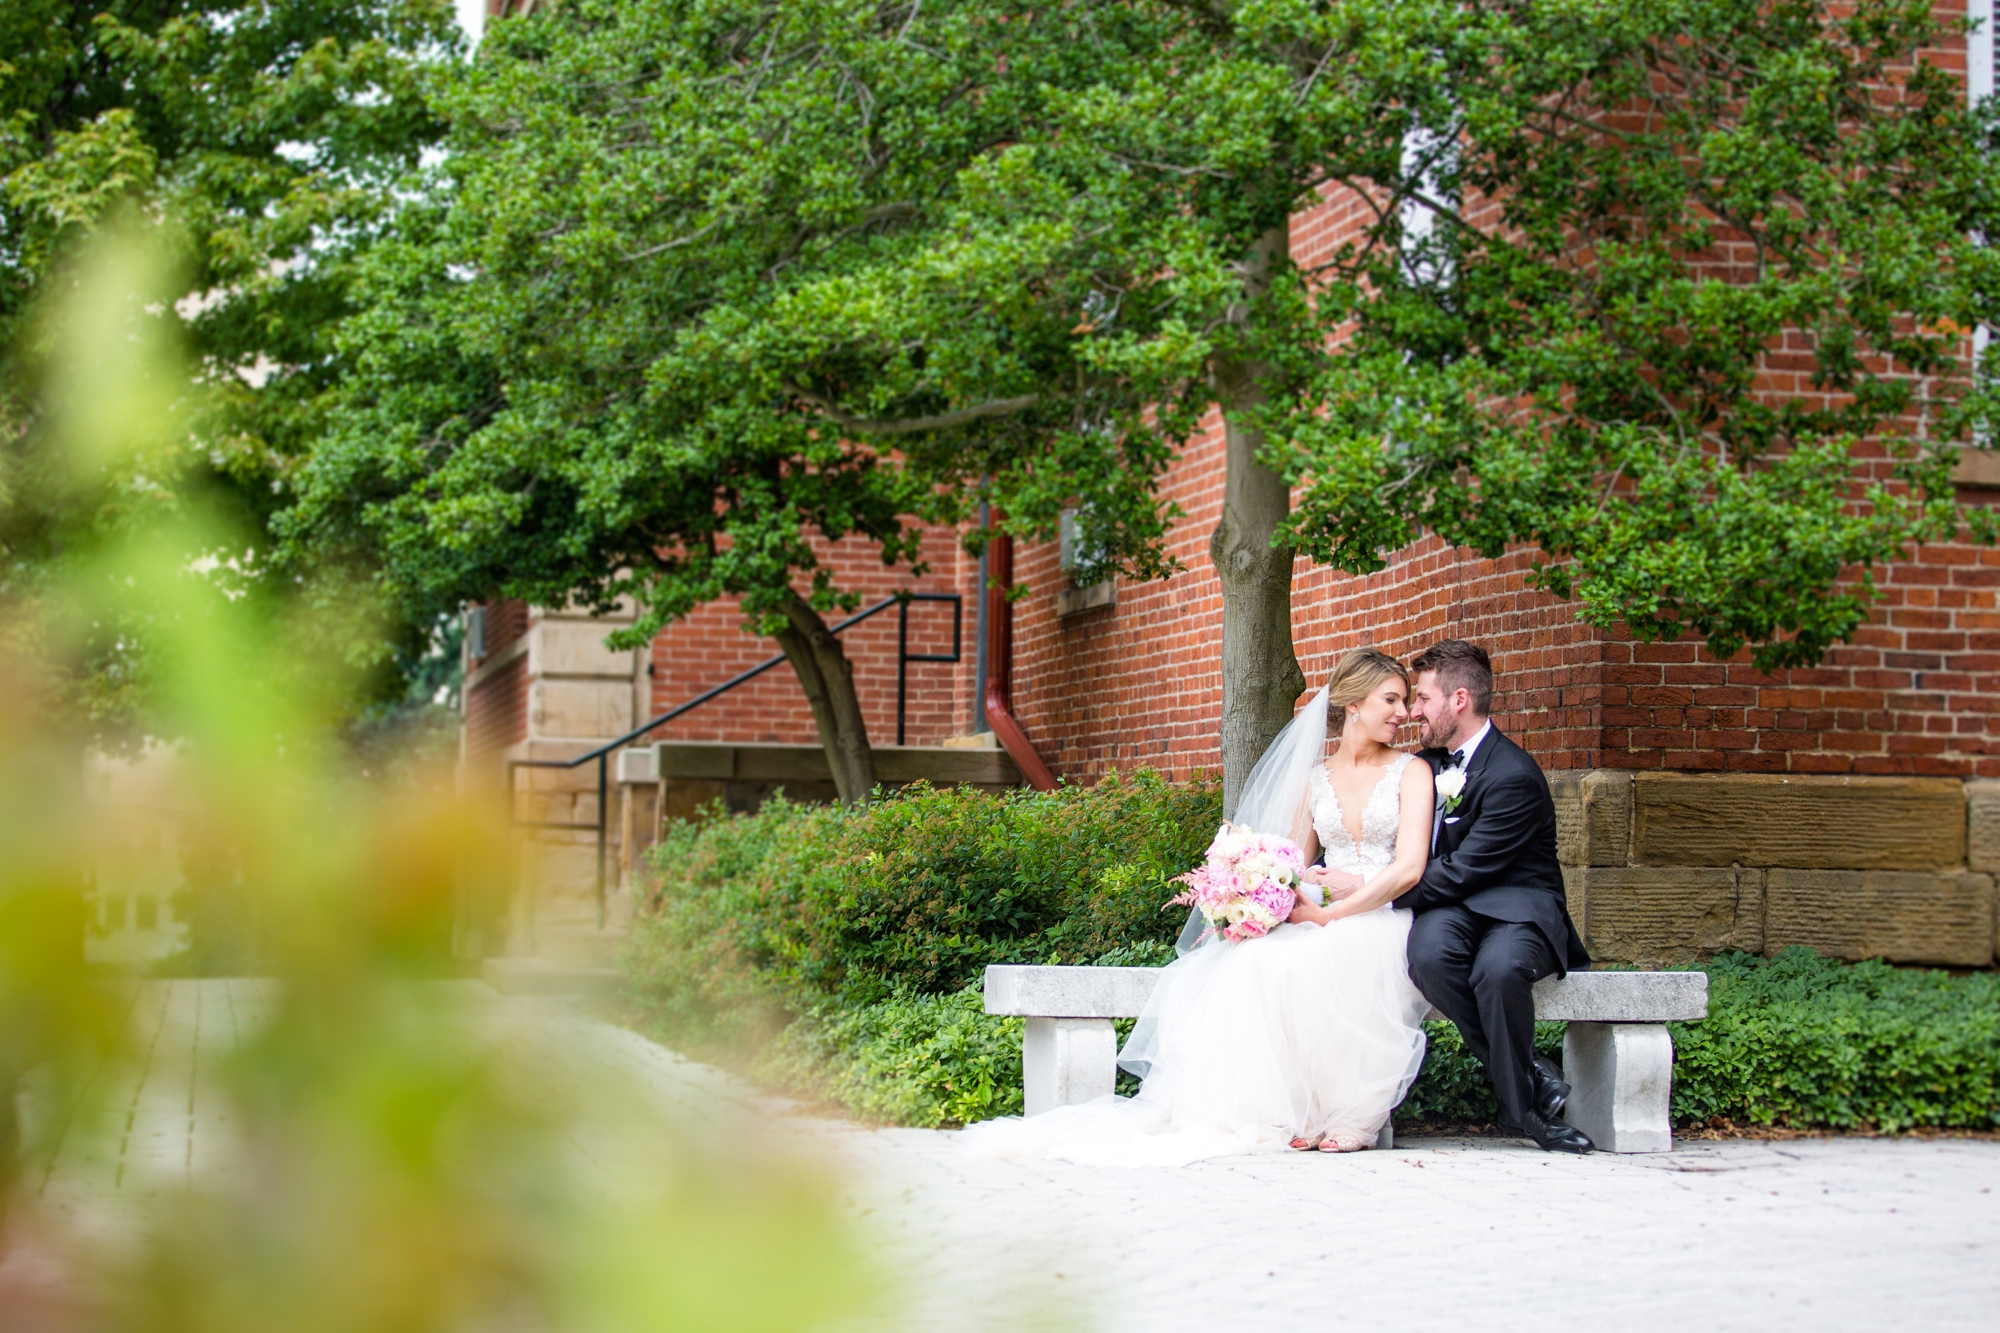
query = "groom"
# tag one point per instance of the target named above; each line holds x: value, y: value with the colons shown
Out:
x: 1491, y: 919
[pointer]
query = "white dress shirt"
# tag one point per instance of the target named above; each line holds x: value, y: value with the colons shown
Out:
x: 1473, y: 744
x: 1467, y: 749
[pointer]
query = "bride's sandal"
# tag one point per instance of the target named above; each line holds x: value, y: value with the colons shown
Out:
x: 1303, y: 1144
x: 1332, y: 1143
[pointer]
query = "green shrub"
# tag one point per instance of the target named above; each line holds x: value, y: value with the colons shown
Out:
x: 912, y: 894
x: 1451, y: 1089
x: 910, y: 1059
x: 1802, y: 1040
x: 696, y: 961
x: 1798, y: 1040
x: 921, y: 891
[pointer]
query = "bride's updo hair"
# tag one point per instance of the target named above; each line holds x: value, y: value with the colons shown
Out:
x: 1356, y: 678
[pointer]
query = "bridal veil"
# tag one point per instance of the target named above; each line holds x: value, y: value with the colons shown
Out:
x: 1275, y: 797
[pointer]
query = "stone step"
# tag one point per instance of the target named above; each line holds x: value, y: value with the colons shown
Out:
x: 540, y: 976
x: 579, y: 947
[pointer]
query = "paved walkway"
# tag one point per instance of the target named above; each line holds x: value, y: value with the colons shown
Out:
x: 1820, y: 1234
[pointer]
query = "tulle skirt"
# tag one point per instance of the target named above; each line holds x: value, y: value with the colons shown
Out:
x: 1309, y: 1031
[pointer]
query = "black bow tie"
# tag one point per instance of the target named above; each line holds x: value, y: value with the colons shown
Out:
x: 1456, y: 759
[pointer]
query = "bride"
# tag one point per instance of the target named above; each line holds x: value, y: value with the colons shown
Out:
x: 1308, y: 1036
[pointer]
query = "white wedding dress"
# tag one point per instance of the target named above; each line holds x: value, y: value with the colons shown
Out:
x: 1308, y: 1031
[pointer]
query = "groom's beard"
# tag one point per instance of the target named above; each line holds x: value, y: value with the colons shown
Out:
x: 1432, y: 739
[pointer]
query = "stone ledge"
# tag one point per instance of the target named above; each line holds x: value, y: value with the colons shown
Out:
x: 1076, y: 601
x: 807, y: 763
x: 1798, y: 822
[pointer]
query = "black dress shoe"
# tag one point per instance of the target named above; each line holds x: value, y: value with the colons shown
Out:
x: 1551, y: 1093
x: 1554, y: 1136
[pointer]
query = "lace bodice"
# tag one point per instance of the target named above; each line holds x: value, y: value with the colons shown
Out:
x: 1378, y: 820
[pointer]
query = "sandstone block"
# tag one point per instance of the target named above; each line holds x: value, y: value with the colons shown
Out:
x: 562, y: 872
x: 1593, y: 816
x: 580, y: 708
x: 1567, y: 789
x: 1576, y: 893
x: 1982, y: 826
x: 1904, y: 917
x: 1666, y: 916
x: 576, y: 648
x: 1804, y: 823
x: 1607, y: 818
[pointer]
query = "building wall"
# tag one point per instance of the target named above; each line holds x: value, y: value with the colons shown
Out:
x: 713, y: 645
x: 1913, y: 698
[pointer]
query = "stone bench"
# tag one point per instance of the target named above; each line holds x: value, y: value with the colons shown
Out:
x: 1617, y: 1056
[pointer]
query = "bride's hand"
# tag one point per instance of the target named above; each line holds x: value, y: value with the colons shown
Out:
x: 1305, y: 914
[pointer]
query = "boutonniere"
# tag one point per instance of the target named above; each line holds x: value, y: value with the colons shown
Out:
x: 1451, y: 786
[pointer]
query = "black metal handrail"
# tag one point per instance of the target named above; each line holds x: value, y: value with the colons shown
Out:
x: 602, y: 754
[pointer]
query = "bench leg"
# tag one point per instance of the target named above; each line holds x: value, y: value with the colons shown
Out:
x: 1067, y: 1060
x: 1621, y: 1077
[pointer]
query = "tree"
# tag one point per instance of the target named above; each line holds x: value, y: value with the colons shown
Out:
x: 675, y: 311
x: 258, y: 143
x: 710, y: 276
x: 733, y: 271
x: 1637, y: 222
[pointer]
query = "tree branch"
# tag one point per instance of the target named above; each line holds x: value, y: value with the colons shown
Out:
x: 665, y: 246
x: 913, y: 425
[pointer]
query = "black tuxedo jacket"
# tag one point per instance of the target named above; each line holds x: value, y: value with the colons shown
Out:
x: 1496, y: 853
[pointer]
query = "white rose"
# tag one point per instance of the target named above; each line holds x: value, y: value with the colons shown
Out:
x: 1451, y: 783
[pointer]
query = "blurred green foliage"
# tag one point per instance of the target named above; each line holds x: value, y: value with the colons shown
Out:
x: 368, y: 1151
x: 261, y: 146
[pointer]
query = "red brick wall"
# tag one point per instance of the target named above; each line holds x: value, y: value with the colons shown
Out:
x: 711, y: 646
x: 496, y: 709
x: 1917, y: 691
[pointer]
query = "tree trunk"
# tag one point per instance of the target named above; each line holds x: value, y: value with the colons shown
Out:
x: 828, y: 680
x: 1261, y: 679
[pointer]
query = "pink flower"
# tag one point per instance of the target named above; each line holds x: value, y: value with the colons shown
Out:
x: 1246, y: 888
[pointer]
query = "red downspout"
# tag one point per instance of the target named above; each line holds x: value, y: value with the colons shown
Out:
x: 1000, y: 664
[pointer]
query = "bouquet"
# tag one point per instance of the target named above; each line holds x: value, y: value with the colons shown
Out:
x: 1249, y: 884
